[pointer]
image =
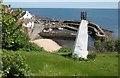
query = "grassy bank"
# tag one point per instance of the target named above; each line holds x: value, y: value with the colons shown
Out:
x: 46, y: 64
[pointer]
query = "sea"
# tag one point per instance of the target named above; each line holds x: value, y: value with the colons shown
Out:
x: 105, y: 18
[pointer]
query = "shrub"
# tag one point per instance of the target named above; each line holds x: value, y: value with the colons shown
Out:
x: 13, y: 37
x: 14, y: 65
x: 99, y: 46
x: 110, y: 45
x: 117, y: 45
x: 91, y: 56
x: 17, y: 13
x: 31, y: 47
x: 66, y: 52
x: 75, y: 57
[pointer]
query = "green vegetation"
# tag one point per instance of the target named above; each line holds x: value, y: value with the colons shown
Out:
x: 66, y: 52
x: 13, y: 65
x: 13, y: 39
x: 47, y: 64
x: 110, y: 45
x: 13, y: 36
x: 117, y: 45
x: 20, y: 58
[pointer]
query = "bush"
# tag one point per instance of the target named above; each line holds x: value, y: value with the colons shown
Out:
x: 66, y: 52
x: 99, y: 46
x: 75, y: 57
x: 14, y: 65
x: 31, y: 47
x: 91, y: 56
x: 13, y: 37
x: 109, y: 45
x: 117, y: 45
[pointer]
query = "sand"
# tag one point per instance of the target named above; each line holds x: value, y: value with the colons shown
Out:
x: 47, y: 44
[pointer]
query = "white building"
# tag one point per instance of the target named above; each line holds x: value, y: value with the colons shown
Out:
x: 27, y: 15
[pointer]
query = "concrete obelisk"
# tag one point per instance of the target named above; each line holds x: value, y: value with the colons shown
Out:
x: 81, y: 44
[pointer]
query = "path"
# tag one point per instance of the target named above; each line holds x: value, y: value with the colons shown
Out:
x: 37, y: 29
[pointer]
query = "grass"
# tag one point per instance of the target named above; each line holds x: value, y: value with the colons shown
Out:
x: 47, y: 64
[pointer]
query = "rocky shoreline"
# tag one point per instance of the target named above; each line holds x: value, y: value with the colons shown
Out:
x: 65, y: 30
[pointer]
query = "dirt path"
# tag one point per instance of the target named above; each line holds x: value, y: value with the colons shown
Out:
x: 37, y: 29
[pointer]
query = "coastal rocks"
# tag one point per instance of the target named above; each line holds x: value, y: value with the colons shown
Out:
x: 47, y: 44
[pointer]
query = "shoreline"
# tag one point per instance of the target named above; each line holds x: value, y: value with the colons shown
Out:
x: 73, y: 26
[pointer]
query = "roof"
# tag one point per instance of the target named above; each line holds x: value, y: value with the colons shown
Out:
x: 27, y: 15
x: 23, y: 13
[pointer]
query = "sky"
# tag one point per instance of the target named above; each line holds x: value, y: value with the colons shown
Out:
x: 62, y: 3
x: 61, y: 0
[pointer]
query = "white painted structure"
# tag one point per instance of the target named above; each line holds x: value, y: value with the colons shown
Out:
x: 81, y: 44
x: 27, y: 15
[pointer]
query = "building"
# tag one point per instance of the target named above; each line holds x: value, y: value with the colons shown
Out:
x: 27, y: 21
